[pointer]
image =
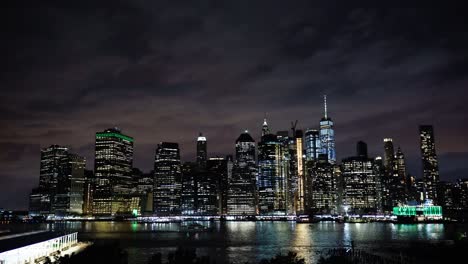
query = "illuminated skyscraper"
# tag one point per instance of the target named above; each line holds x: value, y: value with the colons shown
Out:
x: 265, y: 129
x: 218, y: 168
x: 242, y: 186
x: 167, y: 180
x: 312, y: 144
x: 388, y: 182
x: 321, y: 187
x: 429, y: 162
x: 69, y: 194
x: 300, y: 171
x: 389, y: 153
x: 327, y: 135
x: 400, y: 166
x: 271, y: 181
x: 53, y: 161
x: 113, y: 171
x: 288, y: 169
x: 201, y: 151
x: 60, y: 183
x: 359, y: 184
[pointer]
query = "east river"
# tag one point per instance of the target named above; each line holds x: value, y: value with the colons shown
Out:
x: 238, y: 242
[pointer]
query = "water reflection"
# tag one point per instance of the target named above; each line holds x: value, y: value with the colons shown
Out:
x: 238, y: 242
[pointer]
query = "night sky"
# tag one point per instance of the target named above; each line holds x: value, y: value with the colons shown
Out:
x: 166, y: 70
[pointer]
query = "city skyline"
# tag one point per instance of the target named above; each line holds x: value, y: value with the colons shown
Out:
x: 264, y: 127
x: 162, y: 72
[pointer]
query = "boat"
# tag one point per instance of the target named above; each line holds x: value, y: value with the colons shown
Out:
x: 306, y: 219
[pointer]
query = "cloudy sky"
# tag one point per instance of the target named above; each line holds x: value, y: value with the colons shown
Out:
x: 166, y: 70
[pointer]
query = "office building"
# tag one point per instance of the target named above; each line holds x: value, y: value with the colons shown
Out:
x: 271, y: 181
x: 312, y: 144
x: 429, y: 162
x: 327, y: 135
x: 201, y: 151
x: 167, y: 180
x: 218, y: 167
x: 321, y: 187
x: 113, y: 173
x: 242, y: 186
x: 359, y: 185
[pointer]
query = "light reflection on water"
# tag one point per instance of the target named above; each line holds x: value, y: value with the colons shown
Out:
x: 238, y: 242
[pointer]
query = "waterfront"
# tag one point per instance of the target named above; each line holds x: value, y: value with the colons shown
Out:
x: 238, y: 242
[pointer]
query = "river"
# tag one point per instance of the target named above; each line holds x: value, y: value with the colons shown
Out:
x: 238, y: 242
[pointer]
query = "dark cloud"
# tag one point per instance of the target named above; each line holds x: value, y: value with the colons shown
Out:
x: 166, y: 70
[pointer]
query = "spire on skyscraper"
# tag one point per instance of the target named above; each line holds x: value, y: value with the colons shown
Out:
x: 325, y: 105
x: 265, y: 129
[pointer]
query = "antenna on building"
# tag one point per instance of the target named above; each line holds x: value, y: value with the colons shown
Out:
x: 325, y: 104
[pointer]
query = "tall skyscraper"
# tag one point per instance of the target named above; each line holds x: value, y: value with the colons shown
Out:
x: 389, y: 153
x: 53, y: 163
x: 359, y: 185
x: 271, y: 181
x: 400, y: 166
x: 265, y: 129
x: 242, y: 186
x: 298, y: 135
x: 327, y: 135
x: 388, y: 182
x: 113, y: 171
x: 201, y: 151
x: 429, y: 162
x: 60, y: 183
x: 321, y: 187
x: 288, y: 169
x: 312, y: 144
x: 218, y: 167
x: 379, y: 171
x: 167, y: 180
x: 69, y: 195
x: 189, y: 188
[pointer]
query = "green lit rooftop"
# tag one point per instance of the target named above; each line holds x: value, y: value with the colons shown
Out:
x: 113, y: 135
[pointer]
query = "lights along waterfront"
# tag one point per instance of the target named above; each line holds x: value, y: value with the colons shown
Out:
x: 241, y: 241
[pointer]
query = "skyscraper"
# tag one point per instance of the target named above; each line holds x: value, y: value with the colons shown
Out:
x: 359, y: 184
x: 429, y: 162
x: 265, y: 128
x: 53, y: 163
x: 327, y: 135
x: 321, y: 187
x: 113, y: 171
x: 60, y: 183
x: 389, y: 153
x: 167, y: 179
x: 69, y: 194
x: 288, y: 169
x: 388, y: 182
x: 312, y: 144
x: 298, y: 135
x: 189, y: 188
x: 242, y: 186
x: 219, y: 169
x: 271, y: 181
x: 201, y: 151
x: 400, y: 167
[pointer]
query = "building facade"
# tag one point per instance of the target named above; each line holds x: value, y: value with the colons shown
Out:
x: 113, y: 173
x: 327, y: 135
x: 242, y: 196
x: 167, y: 180
x: 429, y: 162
